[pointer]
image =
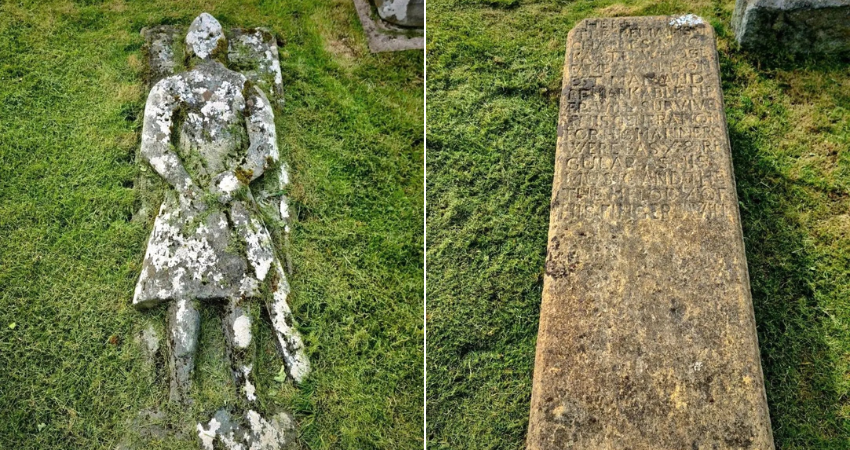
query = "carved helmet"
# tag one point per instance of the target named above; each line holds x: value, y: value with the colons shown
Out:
x: 204, y: 37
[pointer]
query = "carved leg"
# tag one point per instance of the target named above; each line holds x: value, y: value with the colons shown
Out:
x: 238, y: 331
x: 288, y: 339
x: 184, y: 325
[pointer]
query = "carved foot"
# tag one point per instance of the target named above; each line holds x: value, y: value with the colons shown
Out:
x: 252, y: 432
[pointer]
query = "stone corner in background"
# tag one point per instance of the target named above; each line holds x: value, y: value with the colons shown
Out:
x: 797, y: 27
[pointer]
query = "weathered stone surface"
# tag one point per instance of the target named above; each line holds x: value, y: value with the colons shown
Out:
x: 209, y: 133
x: 795, y: 26
x: 163, y: 50
x: 404, y: 13
x: 163, y: 55
x: 647, y: 336
x: 252, y: 432
x: 210, y: 144
x: 184, y: 327
x: 149, y: 341
x: 253, y: 53
x: 205, y: 245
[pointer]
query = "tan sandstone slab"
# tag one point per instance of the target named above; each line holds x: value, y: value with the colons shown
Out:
x: 647, y: 336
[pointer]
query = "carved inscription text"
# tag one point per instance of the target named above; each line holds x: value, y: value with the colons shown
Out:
x: 647, y: 337
x: 641, y: 130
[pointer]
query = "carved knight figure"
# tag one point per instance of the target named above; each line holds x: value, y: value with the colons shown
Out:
x: 209, y: 133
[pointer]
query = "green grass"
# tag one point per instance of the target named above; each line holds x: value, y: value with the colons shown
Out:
x: 71, y: 93
x: 494, y: 76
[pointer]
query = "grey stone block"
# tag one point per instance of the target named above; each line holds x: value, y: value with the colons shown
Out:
x: 793, y: 26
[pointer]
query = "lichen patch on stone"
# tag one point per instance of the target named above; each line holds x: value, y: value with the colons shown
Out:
x: 289, y: 340
x: 248, y: 388
x: 242, y: 331
x: 229, y: 183
x: 207, y: 436
x: 686, y: 21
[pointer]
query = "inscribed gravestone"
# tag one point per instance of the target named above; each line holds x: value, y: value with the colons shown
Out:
x: 647, y: 337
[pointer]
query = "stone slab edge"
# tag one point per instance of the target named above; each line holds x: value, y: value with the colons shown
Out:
x: 383, y: 38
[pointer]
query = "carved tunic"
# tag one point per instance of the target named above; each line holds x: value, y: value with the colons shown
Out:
x: 208, y: 134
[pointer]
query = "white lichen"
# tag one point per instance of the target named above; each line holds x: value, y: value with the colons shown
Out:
x: 170, y: 250
x: 278, y: 77
x: 184, y: 321
x: 229, y: 183
x: 208, y: 436
x: 291, y: 345
x: 283, y: 177
x: 259, y: 248
x: 267, y: 437
x: 229, y: 441
x: 248, y: 388
x: 177, y: 281
x: 284, y: 208
x: 686, y: 21
x: 395, y: 8
x: 249, y: 286
x: 242, y: 331
x: 164, y: 163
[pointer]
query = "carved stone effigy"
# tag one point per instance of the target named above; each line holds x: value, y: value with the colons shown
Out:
x: 647, y: 337
x: 209, y: 133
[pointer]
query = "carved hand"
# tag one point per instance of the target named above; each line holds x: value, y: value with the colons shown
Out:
x: 225, y: 185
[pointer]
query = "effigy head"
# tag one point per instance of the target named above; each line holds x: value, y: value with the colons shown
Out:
x: 205, y: 37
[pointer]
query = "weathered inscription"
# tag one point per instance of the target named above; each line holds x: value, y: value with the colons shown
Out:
x: 641, y: 129
x: 647, y: 337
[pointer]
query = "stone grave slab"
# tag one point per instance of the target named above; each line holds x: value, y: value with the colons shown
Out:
x: 647, y: 335
x: 794, y: 26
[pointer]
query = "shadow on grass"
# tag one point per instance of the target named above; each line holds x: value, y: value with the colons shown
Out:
x: 803, y: 399
x: 789, y: 62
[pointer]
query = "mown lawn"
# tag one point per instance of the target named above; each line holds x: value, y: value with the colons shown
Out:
x: 494, y: 77
x: 71, y: 96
